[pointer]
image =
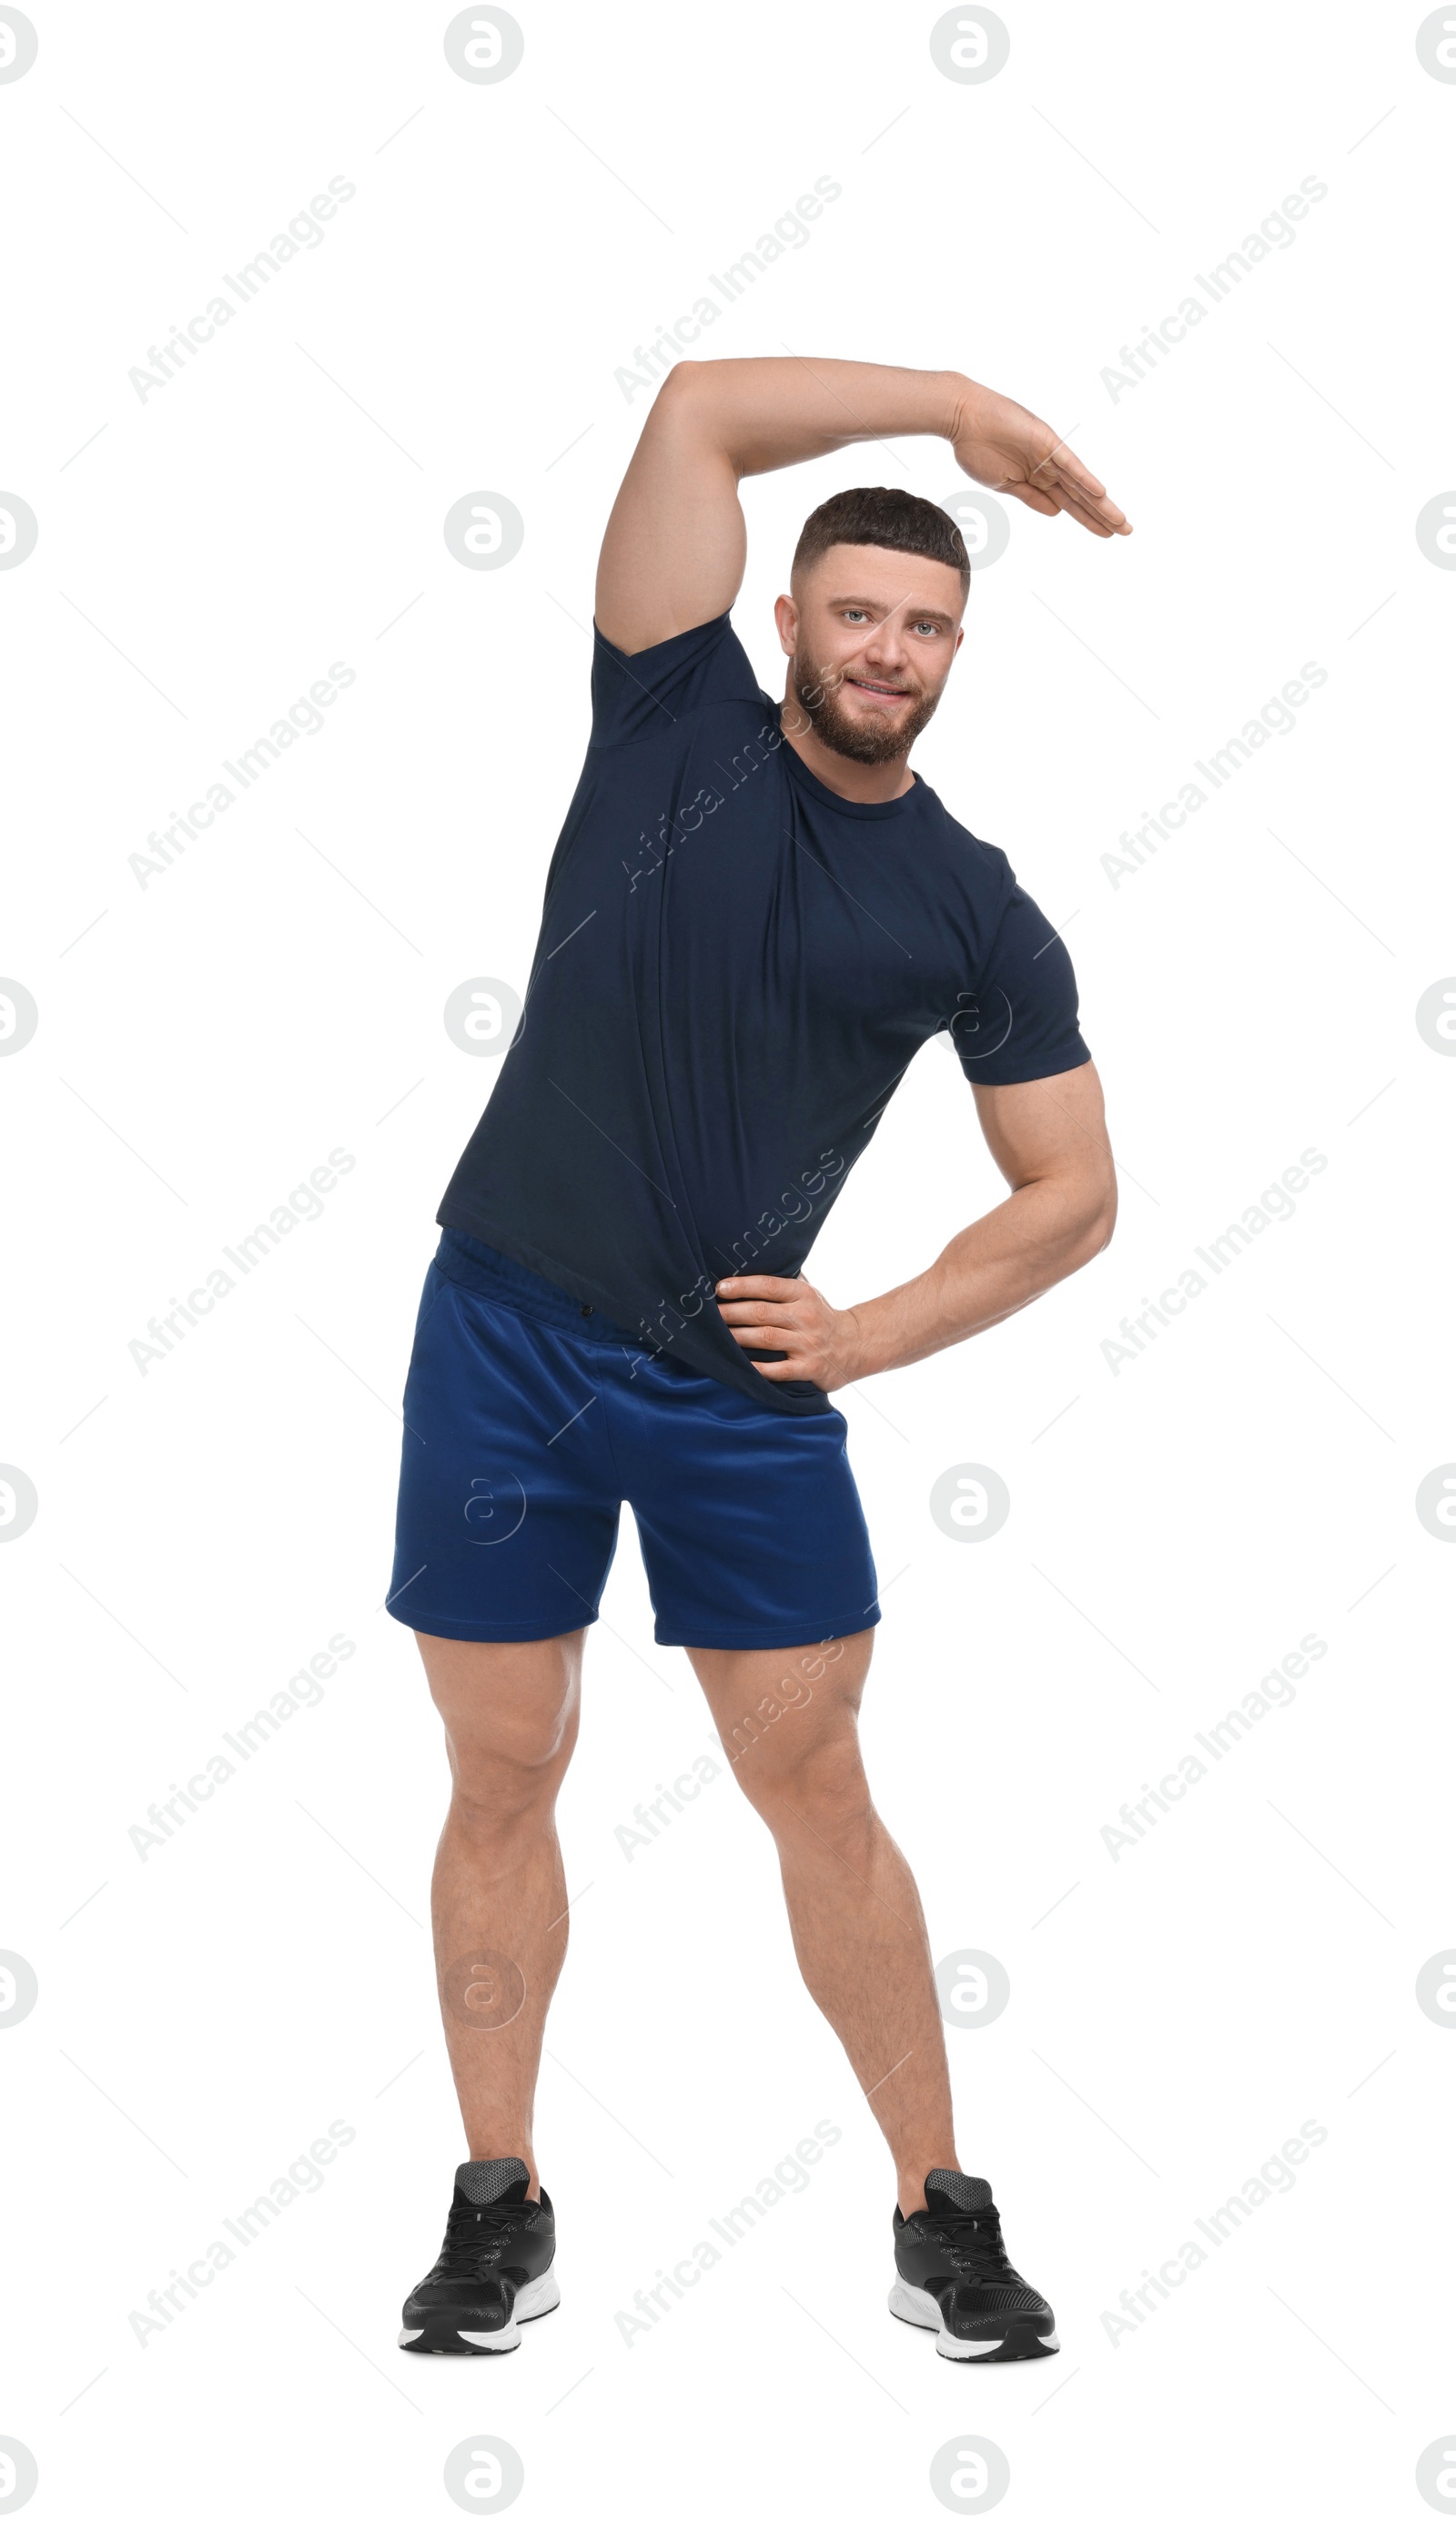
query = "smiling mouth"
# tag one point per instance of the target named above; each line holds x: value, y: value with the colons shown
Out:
x: 880, y: 692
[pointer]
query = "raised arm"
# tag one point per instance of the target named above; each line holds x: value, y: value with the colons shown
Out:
x: 674, y: 548
x: 1051, y: 1143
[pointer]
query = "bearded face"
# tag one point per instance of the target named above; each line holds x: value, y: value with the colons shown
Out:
x: 864, y: 715
x: 870, y: 634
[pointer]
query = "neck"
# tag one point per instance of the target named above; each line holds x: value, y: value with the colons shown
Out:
x: 863, y: 783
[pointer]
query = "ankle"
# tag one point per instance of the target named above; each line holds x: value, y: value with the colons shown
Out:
x: 489, y: 2146
x: 912, y: 2178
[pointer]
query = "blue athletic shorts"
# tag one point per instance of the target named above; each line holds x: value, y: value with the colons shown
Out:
x: 530, y: 1419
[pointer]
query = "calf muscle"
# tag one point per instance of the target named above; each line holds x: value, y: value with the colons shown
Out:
x: 499, y: 1900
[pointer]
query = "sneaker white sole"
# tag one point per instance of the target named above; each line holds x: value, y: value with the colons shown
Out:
x: 543, y: 2294
x: 912, y: 2304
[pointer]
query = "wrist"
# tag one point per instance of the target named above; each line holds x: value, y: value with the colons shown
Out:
x: 856, y: 1345
x: 965, y: 399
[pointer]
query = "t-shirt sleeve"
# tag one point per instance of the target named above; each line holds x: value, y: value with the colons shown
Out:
x: 1021, y: 1022
x: 636, y: 698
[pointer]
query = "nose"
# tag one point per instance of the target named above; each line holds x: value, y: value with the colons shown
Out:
x: 885, y: 647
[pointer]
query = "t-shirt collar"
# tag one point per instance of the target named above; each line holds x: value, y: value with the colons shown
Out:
x: 799, y: 770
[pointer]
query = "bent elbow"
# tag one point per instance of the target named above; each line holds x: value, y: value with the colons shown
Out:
x: 680, y: 381
x: 680, y: 410
x: 1098, y: 1220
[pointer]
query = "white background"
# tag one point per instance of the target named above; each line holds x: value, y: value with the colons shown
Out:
x: 207, y: 1038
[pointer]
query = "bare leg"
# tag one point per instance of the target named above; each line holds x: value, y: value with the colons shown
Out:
x: 498, y: 1898
x: 788, y: 1720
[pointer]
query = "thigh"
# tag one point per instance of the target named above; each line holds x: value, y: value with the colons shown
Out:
x: 751, y: 1528
x: 510, y: 1707
x: 508, y: 1498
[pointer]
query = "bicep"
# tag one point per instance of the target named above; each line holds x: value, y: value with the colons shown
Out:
x: 674, y: 546
x: 1051, y: 1127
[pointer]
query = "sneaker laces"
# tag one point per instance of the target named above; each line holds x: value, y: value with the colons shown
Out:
x: 973, y: 2242
x: 474, y: 2236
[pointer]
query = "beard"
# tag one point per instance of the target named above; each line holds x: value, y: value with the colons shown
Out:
x: 817, y: 691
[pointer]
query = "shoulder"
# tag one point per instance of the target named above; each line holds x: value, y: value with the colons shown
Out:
x: 977, y: 863
x: 653, y: 690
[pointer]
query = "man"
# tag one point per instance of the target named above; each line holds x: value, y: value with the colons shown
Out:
x: 753, y: 919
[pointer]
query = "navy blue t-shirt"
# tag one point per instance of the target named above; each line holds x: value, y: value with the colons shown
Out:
x: 734, y: 969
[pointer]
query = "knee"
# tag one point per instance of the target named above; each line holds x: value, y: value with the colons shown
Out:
x: 822, y: 1784
x: 500, y: 1781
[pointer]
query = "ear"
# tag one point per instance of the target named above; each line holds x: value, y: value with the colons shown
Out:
x: 787, y: 616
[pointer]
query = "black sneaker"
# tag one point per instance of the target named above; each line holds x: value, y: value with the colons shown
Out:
x: 493, y: 2269
x: 955, y: 2277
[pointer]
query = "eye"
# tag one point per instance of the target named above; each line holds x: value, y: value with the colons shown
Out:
x: 931, y: 629
x: 854, y: 613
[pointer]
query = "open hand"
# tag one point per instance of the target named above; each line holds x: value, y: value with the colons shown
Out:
x: 820, y: 1343
x: 1008, y: 448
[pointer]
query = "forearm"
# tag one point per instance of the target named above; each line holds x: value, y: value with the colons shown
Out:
x: 1006, y: 1260
x: 765, y: 413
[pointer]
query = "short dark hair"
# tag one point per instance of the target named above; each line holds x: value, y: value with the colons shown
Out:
x: 894, y: 520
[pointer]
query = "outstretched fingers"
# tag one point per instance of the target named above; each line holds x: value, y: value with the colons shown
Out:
x: 1065, y: 479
